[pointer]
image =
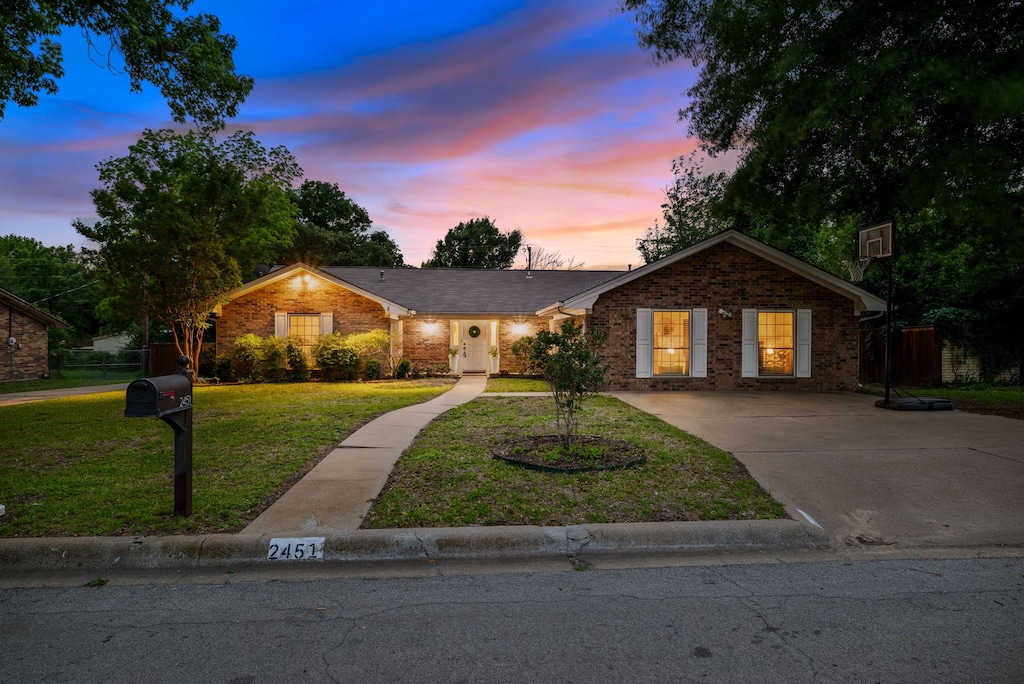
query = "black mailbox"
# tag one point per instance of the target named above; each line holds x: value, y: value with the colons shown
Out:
x: 169, y: 398
x: 158, y: 397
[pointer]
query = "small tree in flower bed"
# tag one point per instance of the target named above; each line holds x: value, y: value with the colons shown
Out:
x: 569, y: 362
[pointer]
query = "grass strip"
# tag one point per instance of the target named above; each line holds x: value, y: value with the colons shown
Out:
x: 77, y: 467
x: 502, y: 384
x: 448, y: 478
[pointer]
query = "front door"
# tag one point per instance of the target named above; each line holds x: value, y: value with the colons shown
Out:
x: 474, y: 346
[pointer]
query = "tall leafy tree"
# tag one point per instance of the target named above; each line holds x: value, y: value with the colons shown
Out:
x: 181, y: 217
x: 852, y: 112
x: 689, y: 213
x: 333, y: 230
x: 476, y: 243
x: 186, y: 57
x: 56, y: 279
x: 859, y: 106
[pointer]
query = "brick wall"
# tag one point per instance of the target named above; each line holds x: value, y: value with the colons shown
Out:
x: 26, y: 360
x: 254, y: 312
x: 731, y: 278
x: 426, y: 341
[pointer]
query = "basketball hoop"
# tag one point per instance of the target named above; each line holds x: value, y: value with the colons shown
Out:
x: 856, y: 267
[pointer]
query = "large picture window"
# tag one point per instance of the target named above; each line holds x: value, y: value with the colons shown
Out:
x: 775, y: 334
x: 671, y: 349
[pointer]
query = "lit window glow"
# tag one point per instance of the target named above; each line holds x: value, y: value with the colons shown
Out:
x: 775, y: 342
x: 671, y: 343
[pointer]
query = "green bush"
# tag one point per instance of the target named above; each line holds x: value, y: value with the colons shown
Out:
x: 275, y: 359
x: 372, y: 369
x: 403, y: 369
x: 522, y: 352
x: 247, y: 358
x: 298, y: 362
x: 223, y: 369
x: 336, y: 358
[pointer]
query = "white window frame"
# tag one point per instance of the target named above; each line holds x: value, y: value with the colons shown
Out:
x: 645, y: 343
x: 801, y: 344
x: 281, y: 322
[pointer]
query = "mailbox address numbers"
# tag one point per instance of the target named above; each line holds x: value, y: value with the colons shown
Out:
x: 296, y: 548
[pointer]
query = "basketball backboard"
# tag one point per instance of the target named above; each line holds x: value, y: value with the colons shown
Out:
x: 875, y: 242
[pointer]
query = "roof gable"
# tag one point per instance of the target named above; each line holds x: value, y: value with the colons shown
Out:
x: 862, y: 299
x: 18, y: 304
x: 303, y: 270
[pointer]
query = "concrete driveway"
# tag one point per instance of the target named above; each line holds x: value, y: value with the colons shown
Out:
x: 867, y: 476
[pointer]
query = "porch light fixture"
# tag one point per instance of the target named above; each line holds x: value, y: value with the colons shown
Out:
x: 520, y: 329
x: 430, y: 327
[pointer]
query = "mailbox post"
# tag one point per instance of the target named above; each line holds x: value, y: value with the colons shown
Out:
x: 169, y: 398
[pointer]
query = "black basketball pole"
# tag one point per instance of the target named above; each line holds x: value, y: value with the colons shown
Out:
x: 888, y: 335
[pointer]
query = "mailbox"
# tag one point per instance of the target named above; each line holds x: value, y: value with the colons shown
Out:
x: 169, y: 398
x: 158, y: 397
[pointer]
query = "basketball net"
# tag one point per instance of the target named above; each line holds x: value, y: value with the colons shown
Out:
x: 857, y: 268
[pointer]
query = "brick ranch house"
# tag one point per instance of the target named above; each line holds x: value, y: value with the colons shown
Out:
x: 730, y: 313
x: 25, y: 345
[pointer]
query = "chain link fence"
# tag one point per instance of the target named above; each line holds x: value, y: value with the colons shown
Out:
x: 85, y: 364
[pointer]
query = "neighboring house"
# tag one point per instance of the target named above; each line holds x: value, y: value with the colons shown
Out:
x: 110, y: 343
x: 729, y: 313
x: 25, y: 346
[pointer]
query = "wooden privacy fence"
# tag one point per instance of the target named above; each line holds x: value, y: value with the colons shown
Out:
x: 916, y: 358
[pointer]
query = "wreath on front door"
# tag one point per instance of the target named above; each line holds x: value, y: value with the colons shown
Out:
x: 474, y: 331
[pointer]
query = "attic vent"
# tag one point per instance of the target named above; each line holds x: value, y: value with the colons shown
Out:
x: 382, y: 276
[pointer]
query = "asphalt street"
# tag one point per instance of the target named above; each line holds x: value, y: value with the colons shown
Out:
x: 839, y: 621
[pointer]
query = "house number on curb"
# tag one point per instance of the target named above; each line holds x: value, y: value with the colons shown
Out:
x: 296, y: 548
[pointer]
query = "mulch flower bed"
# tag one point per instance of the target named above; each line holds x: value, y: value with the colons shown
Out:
x: 545, y: 452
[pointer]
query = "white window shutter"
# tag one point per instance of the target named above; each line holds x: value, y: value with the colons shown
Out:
x: 749, y: 344
x: 644, y: 332
x: 281, y: 325
x: 326, y: 323
x: 699, y: 344
x: 803, y: 343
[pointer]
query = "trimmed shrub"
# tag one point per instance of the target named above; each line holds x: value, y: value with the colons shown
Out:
x: 403, y: 369
x: 336, y: 358
x: 223, y: 369
x: 247, y: 358
x: 298, y: 362
x: 275, y: 359
x: 372, y: 369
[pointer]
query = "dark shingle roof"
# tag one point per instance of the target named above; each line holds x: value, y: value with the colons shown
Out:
x: 465, y: 290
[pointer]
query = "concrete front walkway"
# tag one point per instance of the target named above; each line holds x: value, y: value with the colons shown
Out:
x: 867, y: 476
x: 337, y: 494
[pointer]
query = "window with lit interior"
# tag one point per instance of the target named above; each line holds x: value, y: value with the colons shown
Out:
x: 671, y: 349
x: 775, y: 333
x: 305, y: 327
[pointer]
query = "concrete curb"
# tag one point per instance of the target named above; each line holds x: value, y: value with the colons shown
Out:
x: 526, y: 542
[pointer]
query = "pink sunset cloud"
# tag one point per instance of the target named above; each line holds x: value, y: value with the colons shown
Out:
x: 547, y: 118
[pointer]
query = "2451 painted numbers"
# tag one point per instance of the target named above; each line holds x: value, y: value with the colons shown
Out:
x: 296, y: 548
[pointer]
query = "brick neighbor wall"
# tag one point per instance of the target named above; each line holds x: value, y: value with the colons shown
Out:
x: 731, y: 278
x: 27, y: 359
x: 254, y: 312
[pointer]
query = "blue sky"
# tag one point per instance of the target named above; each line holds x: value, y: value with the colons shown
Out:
x: 543, y: 114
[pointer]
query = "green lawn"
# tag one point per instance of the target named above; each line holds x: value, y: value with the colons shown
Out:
x: 448, y: 477
x: 64, y: 382
x: 997, y: 400
x: 76, y: 466
x: 500, y: 384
